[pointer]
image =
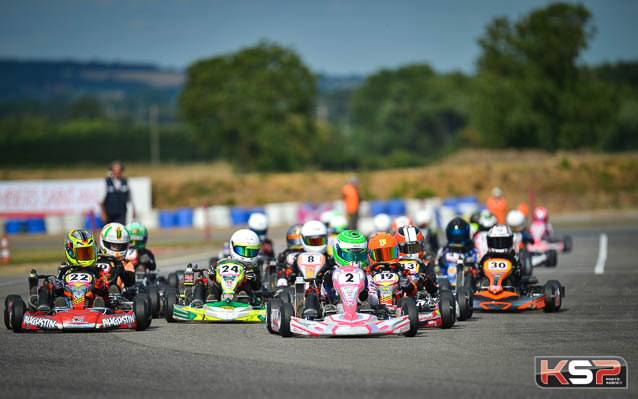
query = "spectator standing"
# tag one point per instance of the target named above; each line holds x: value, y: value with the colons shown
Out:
x: 497, y: 205
x: 352, y: 199
x: 118, y: 195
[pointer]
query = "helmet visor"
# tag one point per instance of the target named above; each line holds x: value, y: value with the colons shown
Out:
x: 352, y: 254
x: 500, y: 242
x: 294, y: 240
x: 384, y: 254
x: 315, y: 241
x: 411, y: 247
x: 248, y: 251
x: 84, y: 253
x: 116, y: 246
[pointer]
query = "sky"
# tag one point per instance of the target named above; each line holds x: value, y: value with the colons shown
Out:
x: 332, y: 36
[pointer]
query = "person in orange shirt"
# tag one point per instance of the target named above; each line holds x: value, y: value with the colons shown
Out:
x: 352, y: 198
x: 497, y: 205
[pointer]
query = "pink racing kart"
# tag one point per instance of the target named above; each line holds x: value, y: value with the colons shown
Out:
x: 343, y: 319
x: 545, y: 248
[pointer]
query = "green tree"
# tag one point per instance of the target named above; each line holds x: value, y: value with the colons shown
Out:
x: 531, y: 90
x: 255, y: 106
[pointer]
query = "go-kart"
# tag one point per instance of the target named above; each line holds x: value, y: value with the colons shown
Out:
x: 343, y: 319
x: 497, y: 291
x: 74, y: 310
x: 544, y: 250
x: 458, y: 271
x: 229, y: 274
x: 432, y: 312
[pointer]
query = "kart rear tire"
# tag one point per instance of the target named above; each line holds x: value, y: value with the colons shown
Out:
x: 568, y: 244
x: 170, y: 300
x: 271, y: 305
x: 18, y: 308
x: 154, y: 294
x: 447, y: 308
x: 552, y: 257
x: 8, y: 301
x: 173, y: 280
x: 444, y: 284
x: 141, y: 309
x: 468, y: 281
x: 553, y: 299
x: 408, y: 308
x: 465, y: 299
x: 287, y: 311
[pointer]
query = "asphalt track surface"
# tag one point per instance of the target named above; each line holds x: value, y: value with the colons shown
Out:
x: 492, y: 355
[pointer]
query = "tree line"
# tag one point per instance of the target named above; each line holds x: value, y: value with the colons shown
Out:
x: 260, y: 107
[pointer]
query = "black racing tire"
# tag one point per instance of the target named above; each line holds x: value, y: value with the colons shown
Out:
x: 568, y: 244
x: 526, y: 263
x: 173, y: 280
x: 18, y: 308
x: 170, y: 300
x: 271, y: 305
x: 468, y: 281
x: 464, y: 297
x: 287, y: 295
x: 287, y: 311
x: 447, y: 308
x: 444, y: 284
x: 8, y: 301
x: 154, y: 294
x: 142, y: 312
x: 552, y: 258
x: 408, y: 308
x: 199, y: 292
x: 553, y: 299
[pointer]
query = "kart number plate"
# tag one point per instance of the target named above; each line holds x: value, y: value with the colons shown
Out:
x: 349, y: 278
x: 498, y: 265
x: 228, y: 270
x: 311, y: 259
x: 78, y: 278
x: 452, y: 256
x: 386, y: 278
x: 411, y: 266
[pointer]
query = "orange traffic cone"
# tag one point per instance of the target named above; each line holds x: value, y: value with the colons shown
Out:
x: 6, y: 255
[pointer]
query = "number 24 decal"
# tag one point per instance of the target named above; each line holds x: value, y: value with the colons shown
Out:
x: 228, y: 269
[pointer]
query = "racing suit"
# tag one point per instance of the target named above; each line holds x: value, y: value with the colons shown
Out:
x: 467, y: 250
x: 287, y: 266
x: 48, y: 293
x: 144, y: 259
x: 116, y: 272
x: 328, y: 293
x: 426, y: 276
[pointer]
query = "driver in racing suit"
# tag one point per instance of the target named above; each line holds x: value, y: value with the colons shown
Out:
x: 244, y: 249
x: 500, y: 242
x: 412, y: 248
x: 287, y: 259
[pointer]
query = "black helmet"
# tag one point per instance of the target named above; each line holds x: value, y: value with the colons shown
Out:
x: 457, y: 231
x: 293, y: 237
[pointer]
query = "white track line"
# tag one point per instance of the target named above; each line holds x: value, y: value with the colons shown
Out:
x: 602, y: 255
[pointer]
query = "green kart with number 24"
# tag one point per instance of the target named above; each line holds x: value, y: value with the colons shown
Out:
x: 229, y: 275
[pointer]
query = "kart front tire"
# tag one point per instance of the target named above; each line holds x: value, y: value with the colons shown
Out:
x: 142, y: 312
x: 287, y: 312
x: 447, y: 308
x: 464, y: 297
x: 408, y: 308
x: 553, y: 299
x: 271, y: 305
x: 173, y: 280
x: 154, y: 294
x: 8, y: 301
x: 170, y: 300
x: 18, y: 308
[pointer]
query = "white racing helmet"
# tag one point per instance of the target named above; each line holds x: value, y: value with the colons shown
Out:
x: 258, y: 223
x: 338, y: 224
x: 515, y: 220
x: 382, y: 223
x: 486, y: 220
x: 314, y: 237
x: 114, y: 240
x: 500, y: 239
x: 326, y: 217
x: 244, y: 246
x: 424, y: 217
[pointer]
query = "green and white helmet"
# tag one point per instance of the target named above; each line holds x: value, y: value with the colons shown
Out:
x: 349, y: 248
x: 138, y: 233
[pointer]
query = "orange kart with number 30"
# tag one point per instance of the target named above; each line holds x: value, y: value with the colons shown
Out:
x: 496, y: 291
